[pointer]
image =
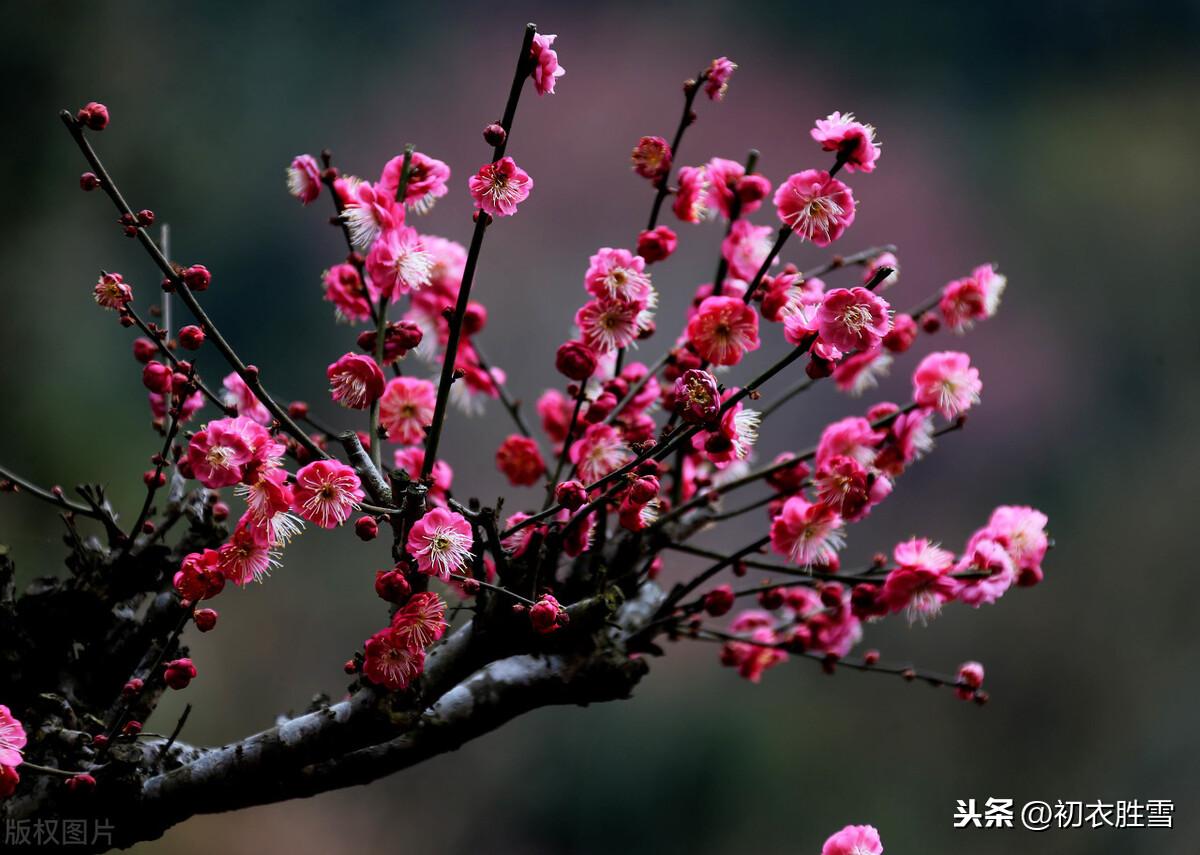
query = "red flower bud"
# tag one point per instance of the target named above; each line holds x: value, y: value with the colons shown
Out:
x: 132, y: 688
x: 656, y: 244
x: 144, y: 349
x: 179, y: 673
x: 93, y: 115
x: 474, y: 319
x: 81, y: 783
x: 366, y: 528
x: 571, y: 495
x: 575, y: 361
x: 297, y: 409
x: 88, y: 182
x: 494, y: 135
x: 719, y: 600
x: 391, y: 586
x: 191, y: 337
x: 197, y: 277
x: 205, y: 619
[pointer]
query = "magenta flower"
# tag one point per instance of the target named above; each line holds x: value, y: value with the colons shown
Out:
x: 238, y: 395
x: 398, y: 262
x: 965, y: 301
x: 656, y: 244
x: 427, y: 180
x: 734, y: 437
x: 598, y: 452
x: 1022, y: 530
x: 355, y: 381
x: 716, y: 78
x: 412, y: 460
x: 693, y: 198
x: 723, y: 330
x: 746, y: 247
x: 922, y: 583
x: 199, y: 576
x: 345, y: 289
x: 441, y: 542
x: 854, y: 840
x: 369, y: 210
x: 853, y: 319
x: 390, y: 662
x: 947, y: 382
x: 112, y: 292
x: 988, y: 559
x: 854, y: 141
x: 815, y: 206
x: 218, y: 453
x: 607, y: 325
x: 421, y: 621
x: 807, y: 533
x: 618, y: 274
x: 406, y: 408
x: 652, y: 158
x: 304, y: 178
x: 499, y: 187
x: 520, y: 460
x: 697, y: 398
x: 546, y: 69
x: 12, y: 738
x: 327, y: 492
x: 247, y: 555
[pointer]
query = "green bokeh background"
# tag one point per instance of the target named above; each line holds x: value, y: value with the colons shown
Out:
x: 1055, y: 138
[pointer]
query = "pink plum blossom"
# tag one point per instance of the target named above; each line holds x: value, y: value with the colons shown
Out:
x: 499, y: 187
x: 947, y: 382
x: 546, y: 69
x: 723, y: 330
x: 853, y: 140
x: 406, y: 408
x: 304, y: 178
x: 815, y: 206
x: 440, y: 542
x: 327, y: 492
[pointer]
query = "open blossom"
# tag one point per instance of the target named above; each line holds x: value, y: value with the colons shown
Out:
x: 355, y: 381
x: 499, y: 187
x: 884, y: 259
x: 304, y: 178
x: 947, y: 382
x: 12, y: 738
x: 427, y: 180
x: 219, y: 452
x: 716, y: 77
x: 111, y: 291
x: 608, y: 325
x: 652, y: 158
x: 617, y: 274
x: 327, y: 492
x: 921, y: 583
x: 693, y: 197
x: 441, y: 543
x: 598, y: 452
x: 965, y: 301
x: 345, y: 289
x: 853, y: 319
x: 421, y: 621
x: 247, y: 555
x: 520, y: 460
x: 238, y: 395
x: 754, y: 655
x: 854, y: 141
x: 546, y: 69
x: 733, y: 439
x: 970, y: 680
x: 816, y: 206
x: 854, y: 840
x: 861, y: 371
x: 398, y: 262
x: 369, y: 210
x: 697, y: 398
x: 723, y: 330
x: 389, y: 660
x: 269, y: 500
x: 746, y: 247
x: 727, y: 181
x: 9, y: 778
x: 1022, y: 530
x: 406, y: 408
x: 807, y: 533
x: 988, y: 559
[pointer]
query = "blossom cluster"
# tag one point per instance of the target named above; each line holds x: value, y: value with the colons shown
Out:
x: 633, y: 456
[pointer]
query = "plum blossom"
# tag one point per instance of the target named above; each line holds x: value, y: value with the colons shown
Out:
x: 440, y: 542
x: 499, y: 187
x: 12, y: 738
x: 304, y: 178
x: 853, y: 140
x: 369, y: 210
x: 807, y: 533
x: 390, y: 662
x: 987, y: 557
x: 355, y: 381
x: 238, y: 395
x: 218, y: 452
x: 546, y: 69
x: 853, y: 319
x: 427, y: 180
x: 599, y: 452
x: 815, y: 206
x: 398, y: 262
x: 617, y: 274
x: 608, y: 325
x: 716, y: 77
x: 746, y: 247
x: 692, y: 200
x: 947, y: 382
x: 421, y: 621
x: 922, y: 581
x: 345, y: 289
x: 112, y: 292
x: 1022, y: 530
x: 406, y: 408
x: 412, y: 461
x: 520, y: 460
x: 854, y: 840
x: 247, y: 555
x: 723, y: 330
x: 327, y: 492
x: 652, y: 158
x: 733, y: 438
x: 974, y: 298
